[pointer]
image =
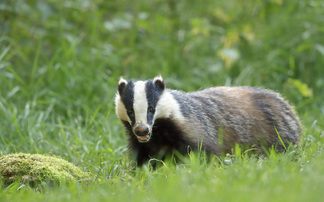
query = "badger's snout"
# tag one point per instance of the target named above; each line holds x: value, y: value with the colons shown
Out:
x: 142, y: 133
x: 141, y: 130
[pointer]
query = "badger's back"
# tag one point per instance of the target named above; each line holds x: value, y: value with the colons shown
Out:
x: 243, y: 115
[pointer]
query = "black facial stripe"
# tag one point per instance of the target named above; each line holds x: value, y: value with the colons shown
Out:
x: 153, y: 94
x: 127, y: 98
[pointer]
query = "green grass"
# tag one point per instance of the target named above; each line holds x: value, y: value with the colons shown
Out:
x: 60, y: 62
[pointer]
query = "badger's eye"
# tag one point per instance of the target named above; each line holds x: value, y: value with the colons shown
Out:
x: 130, y: 112
x: 150, y: 109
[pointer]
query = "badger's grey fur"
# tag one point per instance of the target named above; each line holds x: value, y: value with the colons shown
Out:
x: 160, y: 120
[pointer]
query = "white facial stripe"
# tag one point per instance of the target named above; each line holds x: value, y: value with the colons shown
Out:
x: 140, y: 103
x: 168, y: 107
x: 121, y: 109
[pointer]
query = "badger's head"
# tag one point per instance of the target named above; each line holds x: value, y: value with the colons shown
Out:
x: 137, y: 104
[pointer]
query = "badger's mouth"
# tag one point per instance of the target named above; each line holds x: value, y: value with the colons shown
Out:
x: 142, y: 133
x: 143, y: 138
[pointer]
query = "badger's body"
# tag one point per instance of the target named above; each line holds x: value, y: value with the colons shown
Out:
x: 159, y: 120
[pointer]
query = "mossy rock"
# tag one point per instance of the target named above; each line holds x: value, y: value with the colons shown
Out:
x: 36, y: 168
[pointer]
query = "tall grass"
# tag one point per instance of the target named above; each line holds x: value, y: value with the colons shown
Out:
x: 60, y: 62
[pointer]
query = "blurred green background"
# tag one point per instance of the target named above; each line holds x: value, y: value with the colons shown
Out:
x: 60, y: 62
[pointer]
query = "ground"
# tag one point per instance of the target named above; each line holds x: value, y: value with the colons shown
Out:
x: 60, y: 62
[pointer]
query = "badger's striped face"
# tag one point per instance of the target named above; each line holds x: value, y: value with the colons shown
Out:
x: 136, y: 103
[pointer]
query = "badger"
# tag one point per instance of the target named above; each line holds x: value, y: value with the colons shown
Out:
x: 159, y: 120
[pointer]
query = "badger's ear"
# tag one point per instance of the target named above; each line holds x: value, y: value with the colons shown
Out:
x: 121, y: 85
x: 158, y: 81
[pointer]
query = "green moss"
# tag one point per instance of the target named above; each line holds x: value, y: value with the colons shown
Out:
x: 34, y: 168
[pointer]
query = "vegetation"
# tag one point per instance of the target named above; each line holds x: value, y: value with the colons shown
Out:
x: 60, y: 62
x: 33, y: 169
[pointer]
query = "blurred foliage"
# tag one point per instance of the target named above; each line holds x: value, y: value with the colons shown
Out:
x: 261, y: 43
x: 60, y: 62
x: 70, y: 54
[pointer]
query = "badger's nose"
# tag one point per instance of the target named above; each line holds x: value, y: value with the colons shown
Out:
x: 141, y: 130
